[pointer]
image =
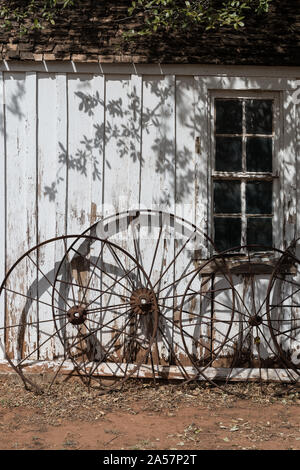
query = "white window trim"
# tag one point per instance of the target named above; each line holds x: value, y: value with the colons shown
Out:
x: 277, y: 165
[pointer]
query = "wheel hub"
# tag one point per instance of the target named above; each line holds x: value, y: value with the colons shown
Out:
x: 255, y: 320
x: 76, y: 315
x: 142, y: 301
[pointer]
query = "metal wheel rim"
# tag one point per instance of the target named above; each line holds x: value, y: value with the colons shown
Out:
x: 237, y: 296
x: 167, y: 321
x: 285, y: 254
x: 120, y: 381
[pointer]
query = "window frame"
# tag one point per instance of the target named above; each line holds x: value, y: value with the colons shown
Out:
x: 244, y: 176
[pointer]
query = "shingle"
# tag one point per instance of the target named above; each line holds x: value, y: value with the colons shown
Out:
x: 94, y: 29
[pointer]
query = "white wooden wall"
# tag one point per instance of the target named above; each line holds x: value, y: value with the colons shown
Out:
x: 75, y: 147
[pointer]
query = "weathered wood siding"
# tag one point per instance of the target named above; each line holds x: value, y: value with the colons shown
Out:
x: 76, y: 147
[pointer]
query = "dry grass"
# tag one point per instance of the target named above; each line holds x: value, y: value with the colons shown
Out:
x: 73, y: 401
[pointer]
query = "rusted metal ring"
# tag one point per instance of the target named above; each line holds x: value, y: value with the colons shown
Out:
x: 284, y: 304
x: 141, y: 301
x: 242, y: 318
x: 188, y: 244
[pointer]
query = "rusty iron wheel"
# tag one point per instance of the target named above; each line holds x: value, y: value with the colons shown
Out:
x: 29, y: 339
x: 235, y: 340
x: 46, y: 302
x: 169, y: 248
x: 283, y: 309
x: 112, y: 312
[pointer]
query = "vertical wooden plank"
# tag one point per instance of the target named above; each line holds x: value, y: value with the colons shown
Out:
x: 61, y: 154
x: 85, y: 163
x: 187, y: 163
x: 31, y: 206
x: 14, y: 95
x: 122, y: 166
x: 228, y: 327
x: 135, y: 117
x: 297, y: 138
x: 122, y: 169
x: 203, y: 156
x: 62, y: 189
x: 51, y: 198
x: 289, y: 190
x: 21, y: 202
x: 98, y: 87
x: 266, y: 348
x: 158, y: 181
x: 288, y: 158
x: 48, y: 187
x: 2, y: 213
x: 96, y: 204
x: 158, y: 150
x: 187, y: 160
x: 296, y: 310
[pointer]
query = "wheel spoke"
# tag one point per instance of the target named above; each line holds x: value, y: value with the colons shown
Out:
x: 90, y: 278
x: 178, y: 361
x: 111, y: 277
x: 43, y: 343
x: 94, y: 289
x: 32, y: 323
x: 32, y: 298
x: 155, y: 252
x: 216, y: 302
x: 112, y: 329
x: 173, y: 260
x: 107, y: 290
x: 70, y: 267
x: 107, y: 351
x: 119, y: 263
x: 107, y: 309
x: 45, y: 276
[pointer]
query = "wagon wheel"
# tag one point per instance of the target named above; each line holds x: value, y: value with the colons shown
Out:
x: 111, y: 309
x: 283, y: 309
x: 28, y: 335
x: 41, y: 324
x: 168, y: 247
x: 240, y: 344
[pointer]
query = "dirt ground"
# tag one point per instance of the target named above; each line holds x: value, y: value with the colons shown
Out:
x: 142, y: 416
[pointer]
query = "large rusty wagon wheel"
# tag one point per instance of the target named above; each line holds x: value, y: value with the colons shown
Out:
x: 168, y: 248
x: 56, y: 303
x: 29, y: 339
x: 231, y: 347
x: 284, y: 308
x: 112, y: 312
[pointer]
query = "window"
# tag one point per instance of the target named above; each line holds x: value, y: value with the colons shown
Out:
x: 243, y: 170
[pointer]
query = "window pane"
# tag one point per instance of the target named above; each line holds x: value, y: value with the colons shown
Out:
x: 227, y: 232
x: 259, y: 231
x: 259, y: 119
x: 228, y: 154
x: 259, y: 197
x: 227, y: 197
x: 259, y: 154
x: 229, y: 116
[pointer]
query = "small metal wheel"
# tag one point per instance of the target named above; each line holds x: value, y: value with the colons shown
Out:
x: 231, y: 336
x: 168, y: 247
x: 111, y: 312
x: 283, y: 310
